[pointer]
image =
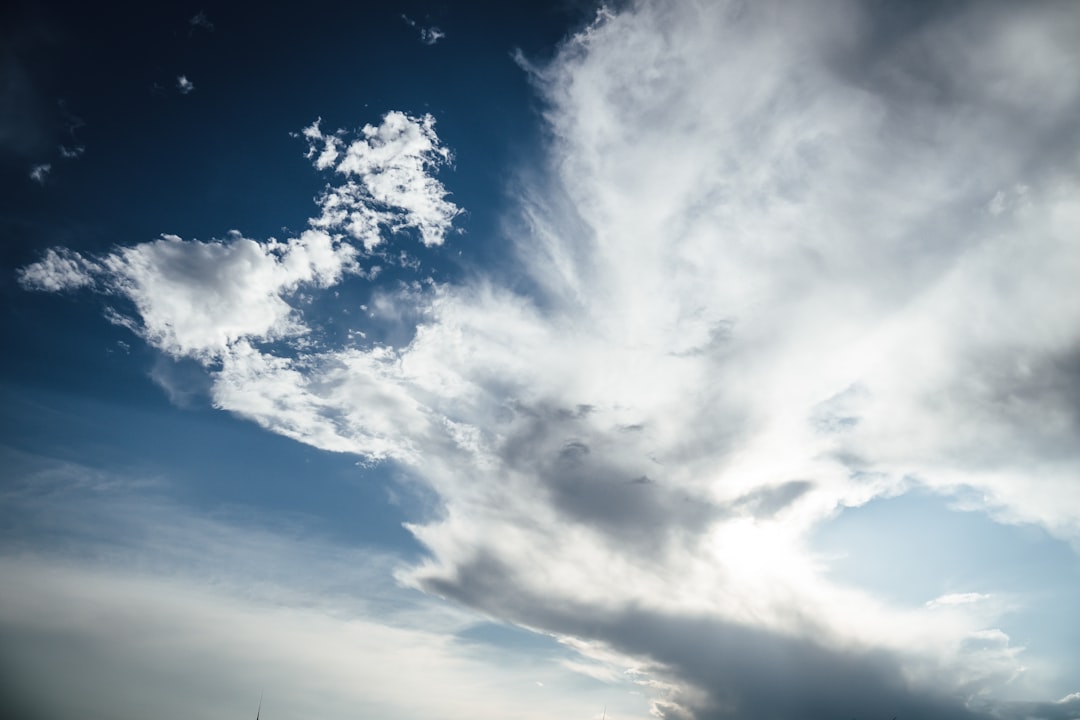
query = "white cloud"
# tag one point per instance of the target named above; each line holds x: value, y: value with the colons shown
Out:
x: 202, y: 299
x: 196, y: 298
x: 390, y: 185
x: 184, y: 85
x: 39, y: 172
x: 778, y: 268
x: 738, y: 297
x: 428, y: 35
x: 957, y: 599
x: 431, y: 35
x: 344, y: 402
x: 60, y: 269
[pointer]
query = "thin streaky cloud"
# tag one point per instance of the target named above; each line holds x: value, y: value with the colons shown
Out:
x: 957, y: 599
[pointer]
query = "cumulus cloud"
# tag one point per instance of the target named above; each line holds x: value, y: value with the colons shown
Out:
x: 776, y: 267
x: 196, y: 298
x: 184, y: 85
x: 206, y: 299
x: 389, y: 182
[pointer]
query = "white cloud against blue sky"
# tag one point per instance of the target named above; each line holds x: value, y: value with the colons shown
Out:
x: 429, y: 35
x: 745, y: 379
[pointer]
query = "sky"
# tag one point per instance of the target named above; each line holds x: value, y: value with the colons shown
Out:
x: 692, y: 360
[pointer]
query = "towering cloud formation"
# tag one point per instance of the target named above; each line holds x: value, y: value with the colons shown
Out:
x: 785, y: 259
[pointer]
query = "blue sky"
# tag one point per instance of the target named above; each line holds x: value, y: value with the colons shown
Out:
x: 491, y: 360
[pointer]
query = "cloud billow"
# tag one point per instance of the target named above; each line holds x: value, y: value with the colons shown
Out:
x: 785, y: 259
x: 203, y: 299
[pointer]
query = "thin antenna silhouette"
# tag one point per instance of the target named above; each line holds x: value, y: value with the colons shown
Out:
x: 603, y: 718
x: 259, y: 711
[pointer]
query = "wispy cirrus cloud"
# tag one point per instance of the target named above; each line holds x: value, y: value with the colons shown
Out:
x: 957, y: 599
x: 750, y: 304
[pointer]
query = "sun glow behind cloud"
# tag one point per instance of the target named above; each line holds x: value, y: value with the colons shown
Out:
x: 774, y: 270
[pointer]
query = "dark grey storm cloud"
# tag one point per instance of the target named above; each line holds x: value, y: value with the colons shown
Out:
x: 600, y: 480
x: 727, y: 671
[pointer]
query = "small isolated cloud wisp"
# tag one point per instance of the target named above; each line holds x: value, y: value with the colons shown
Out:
x: 429, y: 35
x: 200, y: 21
x: 40, y: 172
